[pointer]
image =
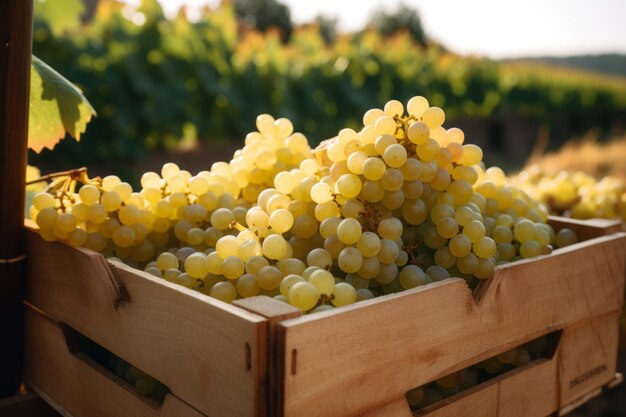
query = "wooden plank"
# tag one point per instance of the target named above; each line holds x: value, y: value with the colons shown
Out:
x: 588, y: 356
x: 414, y: 337
x: 16, y: 34
x: 26, y: 405
x: 80, y: 388
x: 202, y: 349
x: 274, y: 312
x: 586, y: 229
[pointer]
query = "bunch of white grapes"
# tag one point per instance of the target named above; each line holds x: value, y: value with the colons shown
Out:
x: 575, y: 194
x: 399, y: 204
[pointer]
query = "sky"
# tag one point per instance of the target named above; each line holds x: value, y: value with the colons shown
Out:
x: 492, y: 28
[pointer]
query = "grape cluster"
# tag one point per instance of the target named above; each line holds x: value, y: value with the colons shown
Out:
x: 575, y: 194
x: 399, y: 204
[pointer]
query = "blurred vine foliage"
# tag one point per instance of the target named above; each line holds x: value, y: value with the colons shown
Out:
x: 155, y: 82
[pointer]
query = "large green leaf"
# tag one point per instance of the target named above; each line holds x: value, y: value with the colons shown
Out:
x: 57, y: 107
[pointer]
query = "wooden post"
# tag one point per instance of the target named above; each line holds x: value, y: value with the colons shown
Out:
x: 16, y: 30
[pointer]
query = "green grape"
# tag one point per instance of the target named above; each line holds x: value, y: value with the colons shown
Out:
x: 281, y: 220
x: 123, y: 236
x: 343, y: 294
x: 369, y: 244
x: 275, y: 247
x: 395, y: 155
x: 529, y: 249
x: 392, y: 180
x: 222, y: 218
x: 444, y: 257
x: 437, y: 273
x: 224, y: 291
x: 350, y: 259
x: 289, y: 281
x: 269, y: 278
x: 349, y: 231
x: 303, y: 295
x: 373, y: 191
x: 502, y: 234
x: 319, y: 257
x: 43, y: 200
x: 292, y: 266
x: 485, y: 247
x: 370, y: 268
x: 474, y: 231
x: 328, y: 226
x: 321, y: 193
x: 232, y: 267
x: 89, y: 194
x: 323, y: 281
x: 467, y: 264
x: 196, y: 265
x: 565, y: 237
x: 412, y: 276
x: 447, y: 227
x: 254, y: 265
x: 390, y: 228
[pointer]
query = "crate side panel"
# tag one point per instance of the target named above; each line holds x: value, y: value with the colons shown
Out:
x: 204, y: 350
x: 78, y: 388
x: 411, y: 338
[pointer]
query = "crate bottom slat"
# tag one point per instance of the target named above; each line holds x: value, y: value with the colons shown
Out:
x: 75, y: 388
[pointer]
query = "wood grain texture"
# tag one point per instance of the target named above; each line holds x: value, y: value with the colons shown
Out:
x: 204, y: 350
x: 80, y: 387
x: 26, y: 405
x: 379, y: 349
x: 16, y: 31
x: 274, y: 311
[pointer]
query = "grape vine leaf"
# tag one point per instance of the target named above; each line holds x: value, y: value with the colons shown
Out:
x: 57, y: 107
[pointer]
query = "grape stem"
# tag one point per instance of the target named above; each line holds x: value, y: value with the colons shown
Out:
x: 72, y: 173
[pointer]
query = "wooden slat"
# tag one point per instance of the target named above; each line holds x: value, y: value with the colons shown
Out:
x: 204, y: 350
x: 381, y: 348
x: 274, y: 312
x: 80, y: 388
x: 586, y: 229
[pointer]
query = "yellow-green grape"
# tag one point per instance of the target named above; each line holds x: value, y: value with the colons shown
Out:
x: 196, y: 265
x: 214, y: 263
x: 275, y: 247
x: 350, y: 259
x: 323, y: 281
x: 356, y: 281
x: 97, y: 214
x: 485, y: 268
x: 352, y: 208
x: 348, y: 185
x: 111, y: 201
x: 395, y: 155
x: 257, y: 219
x: 143, y: 252
x: 428, y: 150
x: 291, y: 266
x: 66, y: 222
x: 303, y: 295
x: 370, y: 268
x: 289, y: 281
x: 195, y: 236
x: 472, y: 155
x: 462, y: 191
x: 392, y: 180
x: 166, y: 260
x: 328, y: 227
x: 414, y: 211
x: 254, y: 264
x: 171, y: 274
x: 444, y: 257
x: 123, y: 236
x: 373, y: 168
x: 506, y: 250
x: 356, y: 161
x: 529, y: 249
x: 565, y: 237
x: 89, y: 194
x: 247, y: 285
x: 393, y: 108
x: 281, y: 220
x: 277, y: 201
x: 437, y: 273
x: 321, y: 193
x: 224, y: 291
x: 269, y: 277
x: 77, y: 237
x: 304, y: 227
x: 343, y: 294
x: 390, y: 228
x: 388, y: 251
x: 319, y: 257
x: 363, y: 294
x: 447, y: 227
x: 467, y: 264
x: 368, y: 244
x: 388, y: 273
x: 370, y: 116
x: 326, y: 210
x: 412, y: 276
x: 502, y: 234
x: 124, y: 190
x: 43, y: 200
x: 485, y: 247
x: 460, y: 245
x: 232, y: 267
x: 373, y: 191
x: 418, y: 133
x: 284, y: 182
x: 524, y: 230
x: 349, y: 231
x: 474, y: 231
x: 227, y: 246
x: 416, y: 106
x: 222, y: 218
x: 411, y: 169
x: 433, y: 117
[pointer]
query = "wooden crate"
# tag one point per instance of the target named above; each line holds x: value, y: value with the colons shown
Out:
x: 259, y: 357
x: 210, y: 354
x: 361, y: 360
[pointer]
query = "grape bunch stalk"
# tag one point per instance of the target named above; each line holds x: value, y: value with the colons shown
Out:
x: 399, y: 204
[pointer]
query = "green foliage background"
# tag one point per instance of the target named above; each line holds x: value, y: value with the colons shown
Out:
x: 156, y: 83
